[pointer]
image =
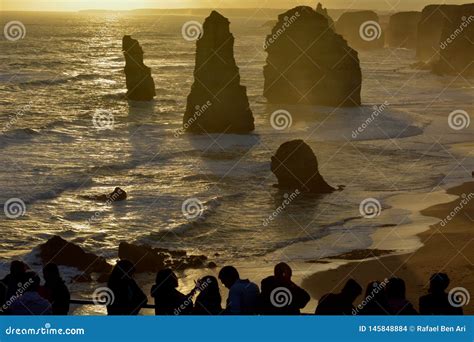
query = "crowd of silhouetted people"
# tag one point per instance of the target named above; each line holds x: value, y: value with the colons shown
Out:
x: 21, y: 293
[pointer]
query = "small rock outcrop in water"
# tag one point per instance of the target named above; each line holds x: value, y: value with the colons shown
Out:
x: 327, y: 74
x: 296, y: 167
x: 430, y: 28
x: 148, y: 259
x: 115, y: 196
x: 217, y: 102
x: 140, y: 84
x: 59, y: 251
x: 457, y: 43
x: 402, y: 30
x: 361, y: 29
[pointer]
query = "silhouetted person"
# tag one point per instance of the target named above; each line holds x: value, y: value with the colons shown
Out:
x: 397, y: 304
x: 55, y: 291
x: 375, y: 300
x: 436, y: 302
x: 11, y: 283
x: 281, y: 296
x: 208, y: 302
x: 243, y: 295
x: 168, y: 300
x: 30, y: 302
x: 127, y: 297
x: 340, y: 303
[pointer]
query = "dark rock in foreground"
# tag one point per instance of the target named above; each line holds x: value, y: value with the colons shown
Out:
x: 328, y: 73
x: 217, y: 102
x: 148, y: 259
x: 457, y: 43
x: 430, y: 29
x: 140, y: 84
x: 296, y: 167
x: 361, y: 29
x: 59, y: 251
x: 402, y: 30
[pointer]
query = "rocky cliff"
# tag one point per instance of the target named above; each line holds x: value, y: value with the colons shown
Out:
x: 140, y: 84
x: 361, y: 29
x: 217, y: 102
x: 402, y: 30
x: 309, y: 63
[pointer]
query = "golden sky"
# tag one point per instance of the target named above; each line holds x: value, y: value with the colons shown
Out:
x: 74, y: 5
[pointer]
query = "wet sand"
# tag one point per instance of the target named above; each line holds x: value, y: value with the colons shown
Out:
x: 447, y: 248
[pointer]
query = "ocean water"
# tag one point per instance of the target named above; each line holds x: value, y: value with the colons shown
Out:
x: 69, y: 67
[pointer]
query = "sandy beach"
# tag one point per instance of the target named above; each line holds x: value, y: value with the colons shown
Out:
x: 448, y: 247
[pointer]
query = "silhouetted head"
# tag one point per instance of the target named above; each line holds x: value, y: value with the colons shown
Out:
x: 283, y: 272
x: 369, y: 291
x: 351, y: 290
x: 439, y: 282
x: 396, y: 288
x: 51, y: 273
x: 32, y: 281
x: 17, y: 268
x: 166, y: 279
x: 123, y: 270
x: 228, y: 276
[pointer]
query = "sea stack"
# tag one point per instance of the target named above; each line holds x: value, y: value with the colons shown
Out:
x: 140, y: 84
x: 457, y: 43
x: 324, y: 12
x: 327, y: 74
x: 430, y: 28
x: 402, y: 30
x: 296, y: 167
x: 217, y: 102
x: 361, y: 29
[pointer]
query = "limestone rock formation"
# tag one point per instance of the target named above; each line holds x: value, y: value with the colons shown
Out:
x: 457, y: 43
x: 148, y: 259
x: 140, y: 84
x: 402, y: 30
x: 59, y: 251
x: 217, y: 102
x: 328, y: 73
x: 324, y: 12
x: 296, y: 167
x: 430, y: 28
x: 361, y: 29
